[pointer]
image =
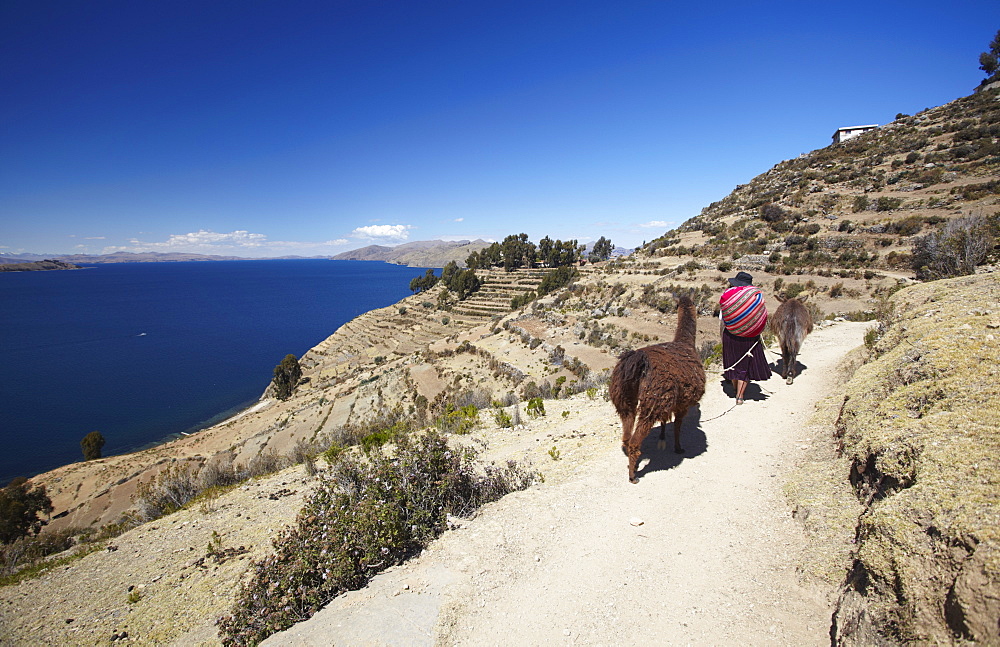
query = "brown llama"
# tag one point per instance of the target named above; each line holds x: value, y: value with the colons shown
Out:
x: 656, y: 383
x: 790, y: 323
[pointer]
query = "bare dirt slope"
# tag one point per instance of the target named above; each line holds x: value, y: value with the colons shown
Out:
x: 704, y: 550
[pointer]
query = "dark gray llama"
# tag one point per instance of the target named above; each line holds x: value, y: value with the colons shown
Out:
x: 790, y: 323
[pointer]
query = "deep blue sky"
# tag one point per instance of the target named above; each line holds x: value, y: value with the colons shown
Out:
x: 272, y: 128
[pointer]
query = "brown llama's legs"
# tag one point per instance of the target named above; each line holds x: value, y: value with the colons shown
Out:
x: 628, y: 423
x: 678, y: 420
x: 634, y: 447
x: 662, y: 444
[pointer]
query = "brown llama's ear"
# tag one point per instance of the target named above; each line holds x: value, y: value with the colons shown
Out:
x: 804, y: 296
x: 780, y: 297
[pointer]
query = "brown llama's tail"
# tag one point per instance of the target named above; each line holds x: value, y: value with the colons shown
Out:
x: 624, y: 387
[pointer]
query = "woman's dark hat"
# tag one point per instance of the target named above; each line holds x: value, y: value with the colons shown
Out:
x: 742, y: 278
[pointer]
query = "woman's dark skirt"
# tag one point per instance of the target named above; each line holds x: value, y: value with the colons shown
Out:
x: 750, y: 367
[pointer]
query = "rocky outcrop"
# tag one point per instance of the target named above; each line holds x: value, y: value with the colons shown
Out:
x: 38, y: 266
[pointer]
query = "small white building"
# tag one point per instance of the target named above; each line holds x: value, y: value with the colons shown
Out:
x: 845, y: 133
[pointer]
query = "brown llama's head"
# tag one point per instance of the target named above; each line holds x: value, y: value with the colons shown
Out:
x: 801, y: 297
x: 687, y: 319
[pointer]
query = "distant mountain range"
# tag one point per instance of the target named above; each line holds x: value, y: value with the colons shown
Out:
x: 131, y: 257
x: 425, y: 253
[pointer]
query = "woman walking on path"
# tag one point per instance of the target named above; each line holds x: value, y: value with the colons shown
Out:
x: 744, y: 316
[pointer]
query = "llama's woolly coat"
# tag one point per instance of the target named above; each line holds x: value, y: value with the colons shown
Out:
x: 657, y: 383
x: 790, y: 324
x: 670, y: 377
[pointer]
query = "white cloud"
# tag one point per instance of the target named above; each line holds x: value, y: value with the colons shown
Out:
x: 660, y: 224
x: 202, y: 237
x: 238, y: 243
x: 459, y: 219
x: 94, y: 237
x: 389, y: 233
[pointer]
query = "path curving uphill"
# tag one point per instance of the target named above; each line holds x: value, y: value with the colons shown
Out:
x: 702, y: 550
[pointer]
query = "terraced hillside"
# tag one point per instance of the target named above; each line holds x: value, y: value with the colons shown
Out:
x: 857, y: 205
x: 498, y: 289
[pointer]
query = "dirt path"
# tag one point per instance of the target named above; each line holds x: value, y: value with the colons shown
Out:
x: 702, y: 550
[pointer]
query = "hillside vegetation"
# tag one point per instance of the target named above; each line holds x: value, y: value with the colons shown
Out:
x: 920, y: 426
x: 917, y: 434
x: 857, y: 207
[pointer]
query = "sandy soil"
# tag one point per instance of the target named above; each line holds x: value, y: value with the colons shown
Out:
x: 703, y: 550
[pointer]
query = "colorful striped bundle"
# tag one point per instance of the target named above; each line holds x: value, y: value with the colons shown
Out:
x: 743, y: 311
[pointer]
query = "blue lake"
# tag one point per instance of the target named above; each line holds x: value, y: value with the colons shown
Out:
x: 144, y: 351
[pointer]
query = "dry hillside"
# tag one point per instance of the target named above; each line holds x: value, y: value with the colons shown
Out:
x: 916, y: 435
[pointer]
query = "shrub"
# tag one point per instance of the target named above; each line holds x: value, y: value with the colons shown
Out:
x: 793, y: 290
x: 725, y: 266
x: 92, y: 444
x: 557, y: 278
x: 264, y: 463
x: 535, y: 408
x: 523, y: 299
x: 956, y: 250
x: 28, y: 550
x: 171, y: 489
x: 773, y: 213
x: 885, y: 203
x: 559, y: 385
x: 501, y: 417
x: 458, y: 420
x: 372, y: 513
x: 218, y: 471
x: 710, y: 352
x: 907, y: 226
x: 383, y: 436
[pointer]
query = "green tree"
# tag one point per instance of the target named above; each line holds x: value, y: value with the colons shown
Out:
x: 989, y: 61
x: 448, y: 273
x: 490, y: 256
x: 286, y: 376
x: 423, y: 283
x: 545, y: 247
x: 517, y: 252
x: 465, y: 283
x: 92, y: 444
x: 19, y: 508
x: 602, y: 250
